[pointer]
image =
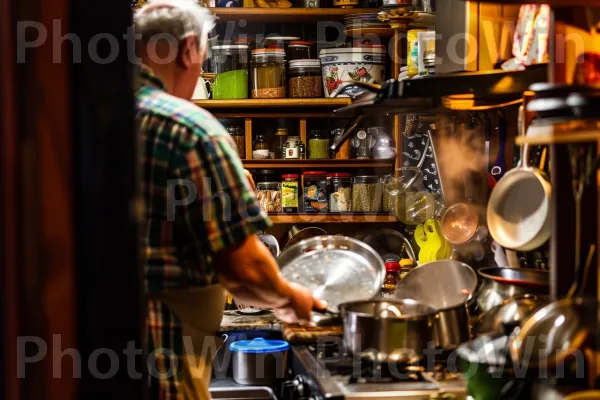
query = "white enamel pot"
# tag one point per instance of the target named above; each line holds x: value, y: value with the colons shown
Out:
x: 518, y: 212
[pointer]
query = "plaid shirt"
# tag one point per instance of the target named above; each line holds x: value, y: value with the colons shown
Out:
x: 186, y: 154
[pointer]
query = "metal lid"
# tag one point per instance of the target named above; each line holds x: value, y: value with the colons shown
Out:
x: 366, y: 179
x: 305, y: 63
x: 259, y: 346
x: 268, y: 52
x: 347, y: 50
x: 281, y: 38
x: 231, y: 47
x: 290, y: 176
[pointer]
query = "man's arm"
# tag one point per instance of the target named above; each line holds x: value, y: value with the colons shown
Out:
x: 250, y: 273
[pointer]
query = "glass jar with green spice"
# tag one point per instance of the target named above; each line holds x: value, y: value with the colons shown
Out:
x: 230, y: 64
x: 318, y: 145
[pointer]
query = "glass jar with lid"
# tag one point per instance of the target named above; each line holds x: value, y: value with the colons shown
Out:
x: 237, y: 134
x: 230, y: 64
x: 340, y: 192
x: 268, y: 74
x: 299, y: 50
x: 318, y: 145
x: 268, y: 195
x: 316, y: 198
x: 292, y: 148
x: 289, y: 193
x: 367, y: 193
x: 305, y: 79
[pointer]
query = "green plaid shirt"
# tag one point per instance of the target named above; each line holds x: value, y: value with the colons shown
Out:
x: 197, y: 202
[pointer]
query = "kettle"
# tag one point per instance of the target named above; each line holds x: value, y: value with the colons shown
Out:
x: 384, y: 148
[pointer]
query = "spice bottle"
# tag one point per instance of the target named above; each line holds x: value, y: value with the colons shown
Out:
x: 318, y: 145
x: 260, y: 143
x: 289, y: 193
x: 291, y: 147
x: 279, y: 139
x: 392, y: 277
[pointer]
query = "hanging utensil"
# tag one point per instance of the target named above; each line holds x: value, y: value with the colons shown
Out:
x: 499, y: 168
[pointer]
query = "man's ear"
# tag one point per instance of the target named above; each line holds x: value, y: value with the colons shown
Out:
x: 187, y: 53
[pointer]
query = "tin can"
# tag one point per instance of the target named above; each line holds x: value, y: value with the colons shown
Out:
x: 412, y: 61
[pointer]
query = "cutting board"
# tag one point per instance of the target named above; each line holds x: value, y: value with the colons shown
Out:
x: 307, y: 334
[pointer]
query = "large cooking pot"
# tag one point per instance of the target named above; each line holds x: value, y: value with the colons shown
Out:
x: 386, y: 331
x: 446, y: 286
x: 501, y: 284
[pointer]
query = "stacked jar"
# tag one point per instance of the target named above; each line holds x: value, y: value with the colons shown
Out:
x: 230, y: 64
x: 315, y: 196
x: 268, y: 73
x: 305, y: 79
x: 340, y: 192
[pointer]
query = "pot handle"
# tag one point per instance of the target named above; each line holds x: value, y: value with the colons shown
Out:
x: 327, y: 317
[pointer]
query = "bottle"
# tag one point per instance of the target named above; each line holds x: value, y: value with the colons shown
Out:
x: 392, y: 277
x: 302, y: 150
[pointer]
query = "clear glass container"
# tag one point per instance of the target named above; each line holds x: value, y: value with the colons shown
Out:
x: 340, y: 192
x: 292, y: 148
x: 299, y: 50
x: 305, y: 79
x: 318, y: 145
x: 237, y: 134
x: 367, y: 193
x: 230, y: 64
x: 279, y: 139
x: 316, y: 198
x: 268, y: 74
x: 290, y: 193
x: 269, y: 196
x: 405, y: 195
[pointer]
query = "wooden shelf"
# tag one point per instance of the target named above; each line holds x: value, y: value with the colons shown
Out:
x: 273, y: 103
x: 305, y: 164
x: 551, y: 3
x: 286, y: 15
x: 330, y: 218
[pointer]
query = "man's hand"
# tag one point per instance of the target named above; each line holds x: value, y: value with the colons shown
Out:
x: 300, y: 307
x: 250, y: 179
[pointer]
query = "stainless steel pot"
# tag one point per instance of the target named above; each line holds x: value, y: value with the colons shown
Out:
x: 388, y: 330
x: 446, y: 286
x: 500, y: 284
x: 504, y: 318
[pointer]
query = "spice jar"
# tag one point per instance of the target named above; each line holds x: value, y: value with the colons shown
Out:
x: 340, y: 192
x: 298, y: 50
x: 268, y: 73
x: 230, y: 64
x: 391, y: 280
x: 260, y: 143
x: 367, y: 193
x: 237, y: 133
x: 318, y: 145
x: 269, y: 196
x: 305, y: 79
x: 289, y: 193
x: 292, y: 148
x: 316, y: 198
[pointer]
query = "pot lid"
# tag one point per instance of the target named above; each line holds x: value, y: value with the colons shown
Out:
x: 484, y: 350
x: 259, y: 346
x: 516, y: 276
x: 350, y: 50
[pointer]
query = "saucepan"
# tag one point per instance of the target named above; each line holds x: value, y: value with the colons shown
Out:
x: 518, y: 213
x: 348, y: 274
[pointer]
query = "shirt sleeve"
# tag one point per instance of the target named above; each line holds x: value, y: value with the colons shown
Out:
x: 225, y: 210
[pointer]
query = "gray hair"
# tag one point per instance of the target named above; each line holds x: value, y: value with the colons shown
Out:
x: 176, y: 19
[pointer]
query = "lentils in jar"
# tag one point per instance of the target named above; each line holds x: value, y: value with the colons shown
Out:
x: 305, y: 79
x: 367, y: 193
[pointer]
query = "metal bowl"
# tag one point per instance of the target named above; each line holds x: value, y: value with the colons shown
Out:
x: 337, y: 269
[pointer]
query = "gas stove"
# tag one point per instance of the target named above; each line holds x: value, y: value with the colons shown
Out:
x: 325, y: 372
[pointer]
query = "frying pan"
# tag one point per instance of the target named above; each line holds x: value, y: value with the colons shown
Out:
x: 518, y: 212
x: 337, y: 269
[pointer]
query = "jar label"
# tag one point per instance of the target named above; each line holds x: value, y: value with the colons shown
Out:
x: 291, y: 152
x: 315, y: 196
x: 289, y: 194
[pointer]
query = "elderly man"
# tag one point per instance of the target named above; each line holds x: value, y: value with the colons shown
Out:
x: 201, y: 211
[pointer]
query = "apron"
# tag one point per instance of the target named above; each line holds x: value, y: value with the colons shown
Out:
x: 200, y: 310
